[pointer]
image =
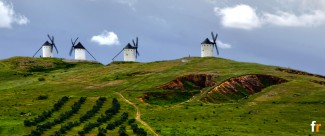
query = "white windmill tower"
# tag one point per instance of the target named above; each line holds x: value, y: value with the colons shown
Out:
x: 207, y: 46
x: 47, y: 48
x: 130, y: 52
x: 79, y: 51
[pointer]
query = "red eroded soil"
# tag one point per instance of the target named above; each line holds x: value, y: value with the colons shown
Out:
x: 240, y: 87
x: 200, y: 80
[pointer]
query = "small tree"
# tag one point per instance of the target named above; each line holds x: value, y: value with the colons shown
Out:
x: 122, y: 131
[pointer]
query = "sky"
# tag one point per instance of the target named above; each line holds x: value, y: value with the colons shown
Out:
x: 287, y: 33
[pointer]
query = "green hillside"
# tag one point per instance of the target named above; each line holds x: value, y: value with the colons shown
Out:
x: 188, y: 96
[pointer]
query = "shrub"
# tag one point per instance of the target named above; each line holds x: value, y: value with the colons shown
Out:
x: 122, y: 131
x: 131, y: 121
x: 46, y: 114
x: 86, y: 116
x: 141, y: 132
x: 103, y: 118
x: 136, y: 130
x: 62, y: 117
x: 41, y: 79
x: 116, y: 123
x: 101, y: 132
x: 42, y: 97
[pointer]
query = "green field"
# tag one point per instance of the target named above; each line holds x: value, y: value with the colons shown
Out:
x: 30, y: 86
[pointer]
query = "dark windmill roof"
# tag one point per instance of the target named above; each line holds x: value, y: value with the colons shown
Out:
x: 207, y: 41
x: 129, y: 46
x: 47, y: 43
x: 79, y: 46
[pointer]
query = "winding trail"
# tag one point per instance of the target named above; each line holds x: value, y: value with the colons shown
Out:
x: 138, y: 114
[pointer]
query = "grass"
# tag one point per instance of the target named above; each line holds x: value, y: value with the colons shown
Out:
x: 168, y: 97
x: 284, y: 109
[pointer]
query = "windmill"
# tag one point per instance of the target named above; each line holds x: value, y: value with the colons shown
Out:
x: 207, y: 46
x: 47, y: 47
x: 79, y: 50
x: 130, y: 52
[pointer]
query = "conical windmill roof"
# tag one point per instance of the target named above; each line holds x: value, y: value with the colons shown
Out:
x: 47, y: 43
x: 207, y: 41
x: 79, y: 46
x: 129, y: 46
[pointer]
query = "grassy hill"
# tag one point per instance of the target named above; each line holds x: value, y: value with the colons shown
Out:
x: 199, y: 96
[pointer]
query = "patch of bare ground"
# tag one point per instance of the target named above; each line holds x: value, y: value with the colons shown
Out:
x: 240, y: 87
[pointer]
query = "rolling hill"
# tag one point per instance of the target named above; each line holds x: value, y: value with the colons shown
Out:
x: 188, y: 96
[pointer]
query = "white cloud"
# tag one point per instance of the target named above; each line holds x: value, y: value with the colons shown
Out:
x: 9, y: 17
x: 129, y: 3
x: 246, y: 17
x: 223, y: 45
x: 315, y: 18
x: 106, y: 38
x: 303, y: 5
x: 240, y: 16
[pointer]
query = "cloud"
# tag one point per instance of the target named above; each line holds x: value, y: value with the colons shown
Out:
x: 245, y: 17
x: 129, y: 3
x: 240, y: 16
x: 315, y: 18
x: 106, y: 38
x: 9, y: 17
x: 223, y: 45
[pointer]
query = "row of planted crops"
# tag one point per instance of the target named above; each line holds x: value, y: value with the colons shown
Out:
x: 104, y: 120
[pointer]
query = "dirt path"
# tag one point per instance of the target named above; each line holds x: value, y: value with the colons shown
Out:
x: 138, y: 114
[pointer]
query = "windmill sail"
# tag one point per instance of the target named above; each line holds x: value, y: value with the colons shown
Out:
x: 214, y: 38
x: 117, y: 54
x: 73, y: 45
x: 90, y: 54
x: 128, y: 49
x: 135, y: 45
x: 47, y: 43
x: 37, y: 51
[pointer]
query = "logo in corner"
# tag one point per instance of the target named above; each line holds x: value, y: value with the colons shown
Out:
x: 313, y: 124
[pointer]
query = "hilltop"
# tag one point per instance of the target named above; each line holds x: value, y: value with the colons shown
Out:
x: 188, y: 96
